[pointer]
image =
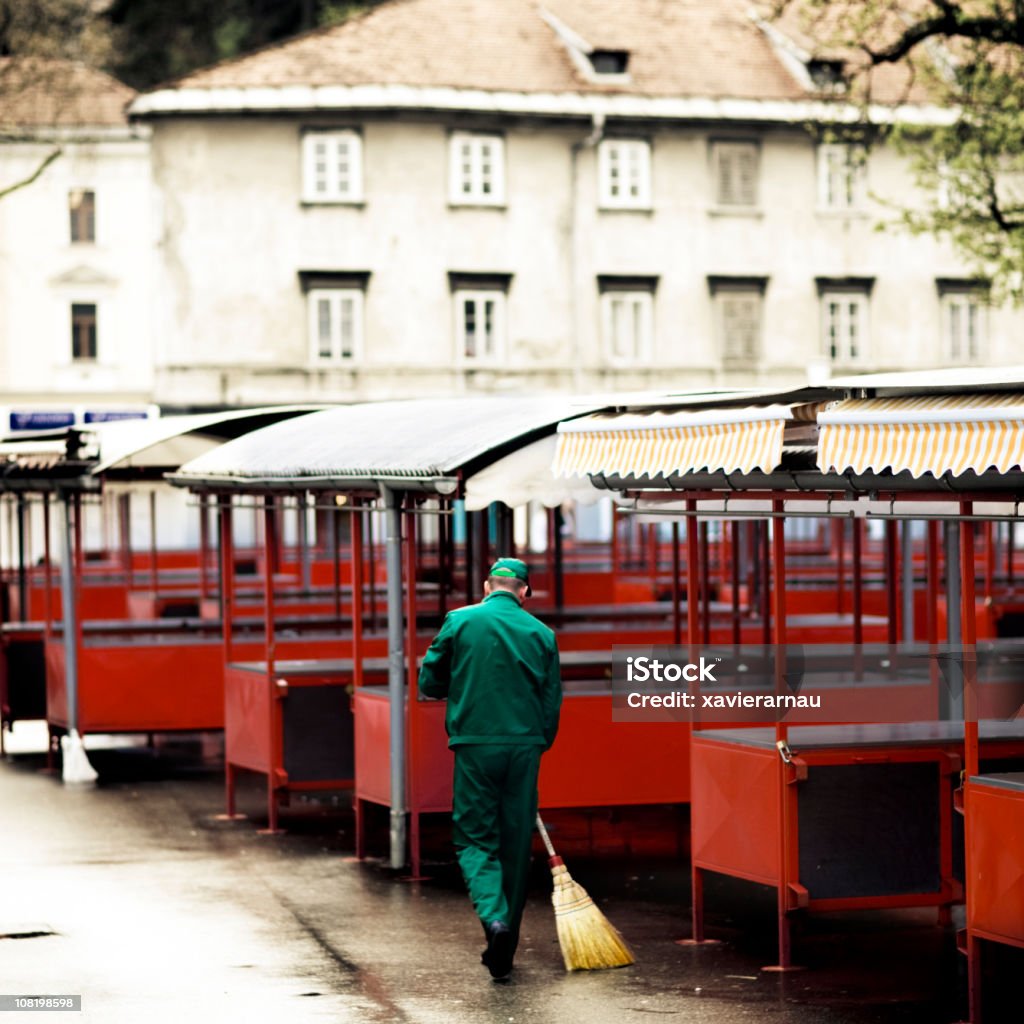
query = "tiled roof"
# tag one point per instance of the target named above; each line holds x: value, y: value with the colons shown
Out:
x: 37, y: 93
x: 699, y: 48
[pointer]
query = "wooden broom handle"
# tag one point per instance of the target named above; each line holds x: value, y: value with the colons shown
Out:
x: 545, y: 838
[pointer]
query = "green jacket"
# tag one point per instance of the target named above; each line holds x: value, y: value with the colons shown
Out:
x: 498, y: 667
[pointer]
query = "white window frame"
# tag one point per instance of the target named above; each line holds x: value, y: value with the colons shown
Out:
x: 744, y: 359
x: 72, y: 359
x: 736, y: 148
x: 73, y: 214
x: 335, y: 298
x: 318, y: 185
x: 957, y: 306
x: 620, y: 160
x: 479, y: 297
x: 640, y: 319
x: 842, y: 177
x: 476, y: 177
x: 847, y: 313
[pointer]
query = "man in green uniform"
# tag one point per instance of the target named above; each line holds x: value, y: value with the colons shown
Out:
x: 498, y: 667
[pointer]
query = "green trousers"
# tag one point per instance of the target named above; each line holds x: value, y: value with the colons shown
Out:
x: 494, y: 806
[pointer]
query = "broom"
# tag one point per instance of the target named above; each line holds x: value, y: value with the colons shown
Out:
x: 588, y: 939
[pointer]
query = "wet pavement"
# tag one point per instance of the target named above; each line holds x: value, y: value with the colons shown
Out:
x: 133, y: 895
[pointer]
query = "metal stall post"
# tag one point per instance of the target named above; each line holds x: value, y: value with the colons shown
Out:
x: 892, y: 581
x: 559, y: 559
x: 204, y: 548
x: 951, y: 703
x: 693, y: 640
x: 22, y: 571
x: 677, y: 621
x: 356, y: 546
x: 47, y: 609
x: 790, y: 895
x: 412, y: 555
x: 396, y: 671
x: 737, y: 542
x: 276, y: 691
x: 152, y: 543
x: 968, y: 623
x: 77, y: 769
x: 227, y: 605
x: 907, y: 582
x: 969, y: 631
x: 305, y: 564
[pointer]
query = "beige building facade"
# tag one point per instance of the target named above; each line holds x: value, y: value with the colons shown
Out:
x: 568, y: 217
x: 77, y: 258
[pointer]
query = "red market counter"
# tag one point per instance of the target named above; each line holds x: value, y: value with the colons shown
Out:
x: 994, y: 824
x: 593, y: 763
x: 848, y: 817
x: 293, y: 725
x: 22, y: 674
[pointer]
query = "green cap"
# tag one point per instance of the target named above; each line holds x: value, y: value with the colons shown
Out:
x: 512, y: 568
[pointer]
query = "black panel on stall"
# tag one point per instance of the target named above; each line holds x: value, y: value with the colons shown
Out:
x: 318, y: 735
x: 869, y: 830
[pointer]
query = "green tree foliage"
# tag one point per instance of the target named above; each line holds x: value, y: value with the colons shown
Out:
x: 966, y: 58
x: 41, y: 42
x: 158, y: 41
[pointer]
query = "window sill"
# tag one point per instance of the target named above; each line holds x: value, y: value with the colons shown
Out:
x: 477, y: 204
x: 645, y: 210
x: 748, y: 212
x: 852, y: 213
x: 357, y: 204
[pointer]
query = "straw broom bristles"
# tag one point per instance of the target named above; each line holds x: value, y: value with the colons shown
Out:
x: 589, y: 941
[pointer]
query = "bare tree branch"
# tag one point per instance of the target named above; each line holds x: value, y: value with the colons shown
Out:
x: 34, y: 176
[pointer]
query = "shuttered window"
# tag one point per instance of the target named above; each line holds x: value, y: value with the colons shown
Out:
x: 739, y: 318
x: 736, y: 167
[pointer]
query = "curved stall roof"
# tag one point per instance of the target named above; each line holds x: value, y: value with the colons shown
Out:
x: 431, y: 444
x: 82, y: 456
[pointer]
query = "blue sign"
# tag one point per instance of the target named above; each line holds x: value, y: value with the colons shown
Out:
x: 112, y: 415
x: 42, y: 420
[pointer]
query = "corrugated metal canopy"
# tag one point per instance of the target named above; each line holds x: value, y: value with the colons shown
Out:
x: 935, y: 435
x: 665, y: 443
x: 167, y: 442
x: 417, y: 442
x: 950, y: 380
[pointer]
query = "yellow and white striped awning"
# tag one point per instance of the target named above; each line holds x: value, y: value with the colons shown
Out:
x: 664, y: 444
x: 936, y: 435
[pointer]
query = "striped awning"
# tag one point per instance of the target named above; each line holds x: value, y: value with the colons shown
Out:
x: 936, y: 435
x: 664, y: 444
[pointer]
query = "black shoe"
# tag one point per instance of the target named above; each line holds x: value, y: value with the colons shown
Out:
x: 497, y: 958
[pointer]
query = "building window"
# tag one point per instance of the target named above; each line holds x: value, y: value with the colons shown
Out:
x: 82, y: 209
x: 964, y: 307
x: 739, y: 306
x: 841, y: 177
x: 336, y: 324
x: 83, y: 331
x: 844, y: 325
x: 477, y: 169
x: 479, y: 301
x: 627, y: 318
x: 480, y: 324
x: 624, y: 173
x: 334, y: 314
x: 736, y: 168
x: 332, y: 167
